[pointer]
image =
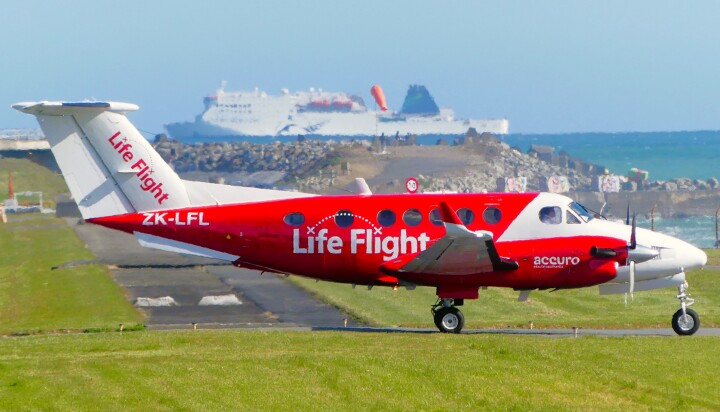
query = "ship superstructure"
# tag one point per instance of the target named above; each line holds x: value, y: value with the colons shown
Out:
x: 320, y: 113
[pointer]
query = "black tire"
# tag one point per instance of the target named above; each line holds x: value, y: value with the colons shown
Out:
x: 449, y: 319
x: 687, y: 326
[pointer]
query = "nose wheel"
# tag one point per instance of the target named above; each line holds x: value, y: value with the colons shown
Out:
x: 447, y: 317
x: 685, y: 321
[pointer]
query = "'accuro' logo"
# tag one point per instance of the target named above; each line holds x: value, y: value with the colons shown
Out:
x: 555, y: 262
x: 140, y: 166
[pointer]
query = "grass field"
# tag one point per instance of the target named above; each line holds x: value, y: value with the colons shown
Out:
x: 34, y: 298
x: 29, y: 176
x: 713, y: 257
x: 245, y: 370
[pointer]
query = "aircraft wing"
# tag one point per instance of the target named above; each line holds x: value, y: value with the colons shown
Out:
x: 459, y: 252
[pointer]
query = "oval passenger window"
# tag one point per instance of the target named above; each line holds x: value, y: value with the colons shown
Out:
x: 344, y: 218
x: 412, y: 217
x: 436, y: 217
x: 466, y: 215
x: 294, y: 219
x: 492, y: 215
x: 386, y: 217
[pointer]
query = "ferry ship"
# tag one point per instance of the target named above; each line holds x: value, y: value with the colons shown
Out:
x: 318, y: 113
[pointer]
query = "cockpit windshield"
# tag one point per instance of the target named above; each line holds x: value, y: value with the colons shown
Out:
x: 581, y: 211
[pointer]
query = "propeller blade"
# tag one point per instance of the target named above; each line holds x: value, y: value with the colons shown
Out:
x: 631, y: 289
x: 627, y: 215
x: 639, y: 253
x: 632, y: 280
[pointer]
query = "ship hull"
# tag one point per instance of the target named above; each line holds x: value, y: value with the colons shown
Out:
x: 337, y: 129
x: 322, y: 114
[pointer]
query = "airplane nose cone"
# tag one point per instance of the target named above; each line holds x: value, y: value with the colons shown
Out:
x: 675, y: 255
x: 695, y: 257
x: 689, y: 256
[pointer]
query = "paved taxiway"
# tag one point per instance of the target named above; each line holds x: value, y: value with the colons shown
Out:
x: 267, y: 300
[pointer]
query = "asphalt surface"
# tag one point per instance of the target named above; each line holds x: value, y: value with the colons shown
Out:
x: 267, y: 301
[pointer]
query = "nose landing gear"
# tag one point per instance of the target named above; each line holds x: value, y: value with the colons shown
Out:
x: 447, y: 317
x: 685, y: 321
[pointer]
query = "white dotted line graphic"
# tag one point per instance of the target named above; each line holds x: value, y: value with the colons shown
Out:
x: 376, y: 229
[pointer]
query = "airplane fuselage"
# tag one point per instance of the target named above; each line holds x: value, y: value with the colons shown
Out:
x: 456, y: 243
x: 348, y: 238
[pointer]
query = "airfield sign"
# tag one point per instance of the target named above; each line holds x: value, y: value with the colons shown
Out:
x: 412, y: 185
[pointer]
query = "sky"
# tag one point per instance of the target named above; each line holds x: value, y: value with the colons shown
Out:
x: 547, y: 66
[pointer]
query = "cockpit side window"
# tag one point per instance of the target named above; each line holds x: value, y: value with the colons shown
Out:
x: 571, y: 219
x: 551, y: 215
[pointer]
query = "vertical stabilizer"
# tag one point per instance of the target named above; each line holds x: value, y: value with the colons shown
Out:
x: 109, y: 167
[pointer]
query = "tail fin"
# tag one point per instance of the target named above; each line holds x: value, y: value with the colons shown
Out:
x: 108, y: 165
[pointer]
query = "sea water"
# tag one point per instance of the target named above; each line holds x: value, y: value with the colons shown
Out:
x: 665, y: 155
x: 697, y: 230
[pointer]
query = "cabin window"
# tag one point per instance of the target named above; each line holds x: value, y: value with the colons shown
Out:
x: 344, y: 218
x: 386, y: 217
x: 466, y: 215
x: 492, y: 215
x: 551, y: 215
x: 294, y: 219
x: 412, y: 217
x: 436, y: 217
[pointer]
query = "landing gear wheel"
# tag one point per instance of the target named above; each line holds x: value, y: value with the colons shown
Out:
x: 686, y: 324
x: 449, y: 319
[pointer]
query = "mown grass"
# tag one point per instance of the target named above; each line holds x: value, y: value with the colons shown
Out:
x: 246, y: 370
x: 499, y: 308
x: 28, y: 176
x: 34, y: 298
x: 713, y: 257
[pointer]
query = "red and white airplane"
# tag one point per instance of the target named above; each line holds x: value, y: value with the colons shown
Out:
x: 456, y: 243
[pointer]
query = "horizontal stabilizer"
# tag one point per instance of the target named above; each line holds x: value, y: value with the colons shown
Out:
x: 168, y: 245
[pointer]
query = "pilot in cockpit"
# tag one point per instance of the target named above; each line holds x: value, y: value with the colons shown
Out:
x: 551, y: 215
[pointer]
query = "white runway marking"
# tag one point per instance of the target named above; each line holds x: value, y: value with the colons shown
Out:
x: 222, y: 300
x: 156, y: 302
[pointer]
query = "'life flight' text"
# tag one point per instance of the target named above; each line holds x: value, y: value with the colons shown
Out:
x: 361, y: 240
x: 140, y: 166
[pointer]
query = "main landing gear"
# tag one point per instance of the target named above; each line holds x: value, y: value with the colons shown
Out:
x: 447, y: 317
x: 685, y: 321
